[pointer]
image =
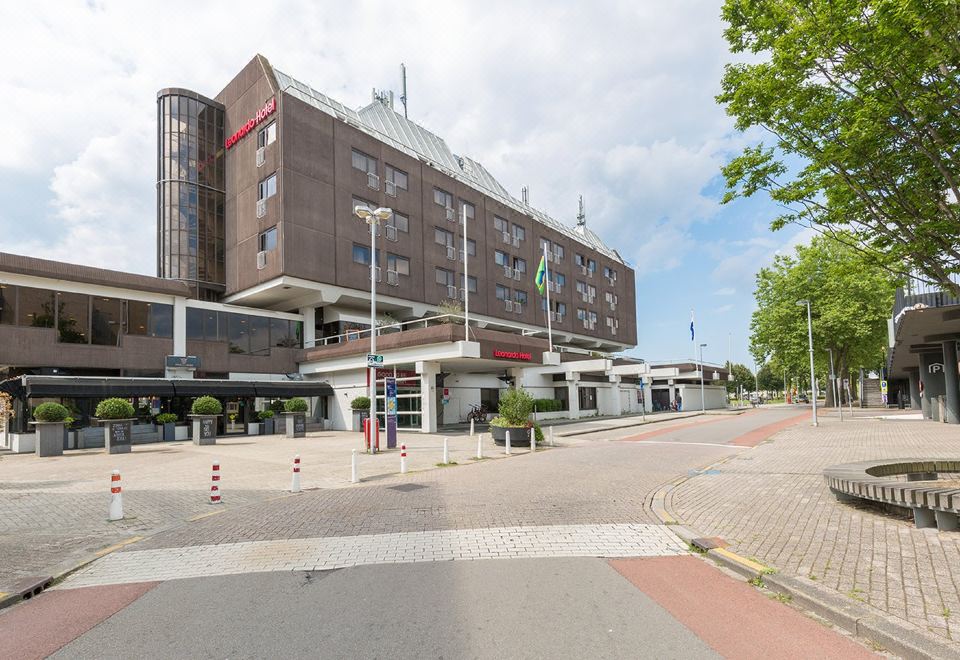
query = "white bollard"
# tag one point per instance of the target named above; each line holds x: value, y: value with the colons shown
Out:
x: 471, y: 427
x: 480, y: 446
x: 403, y: 459
x: 508, y: 444
x: 215, y: 484
x: 353, y: 468
x: 533, y: 440
x: 551, y: 436
x: 116, y: 497
x: 446, y: 451
x: 295, y: 481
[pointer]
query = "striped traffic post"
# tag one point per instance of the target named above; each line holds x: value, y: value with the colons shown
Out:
x: 116, y: 497
x: 295, y: 481
x: 215, y: 484
x: 403, y: 459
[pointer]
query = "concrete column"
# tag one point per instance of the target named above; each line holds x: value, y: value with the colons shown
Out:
x: 180, y: 326
x: 428, y: 395
x: 615, y: 404
x: 673, y: 392
x: 951, y: 381
x: 309, y: 326
x: 573, y: 397
x: 931, y: 371
x: 914, y: 377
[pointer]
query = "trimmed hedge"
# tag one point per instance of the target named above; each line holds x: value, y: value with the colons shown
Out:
x: 206, y: 405
x: 547, y: 405
x: 50, y: 412
x: 360, y: 403
x: 265, y: 414
x: 296, y: 405
x: 166, y: 418
x: 115, y: 408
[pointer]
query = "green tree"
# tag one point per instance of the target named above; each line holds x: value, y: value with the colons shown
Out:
x: 850, y: 300
x: 862, y: 99
x: 768, y: 379
x: 741, y: 376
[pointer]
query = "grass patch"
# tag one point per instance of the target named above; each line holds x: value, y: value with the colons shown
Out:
x: 757, y: 582
x: 451, y: 463
x: 783, y: 598
x: 812, y: 577
x: 946, y: 613
x: 856, y: 594
x: 694, y: 549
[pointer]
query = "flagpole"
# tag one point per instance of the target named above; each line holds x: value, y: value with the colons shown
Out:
x: 546, y: 276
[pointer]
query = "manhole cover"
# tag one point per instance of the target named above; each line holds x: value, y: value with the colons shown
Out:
x: 406, y: 487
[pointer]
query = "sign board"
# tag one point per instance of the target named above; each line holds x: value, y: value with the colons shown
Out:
x: 883, y: 387
x: 268, y: 108
x: 935, y: 368
x: 512, y: 355
x: 390, y: 387
x: 374, y: 360
x: 208, y: 428
x: 183, y: 362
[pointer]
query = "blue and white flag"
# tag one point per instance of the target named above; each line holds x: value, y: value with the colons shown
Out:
x: 692, y: 335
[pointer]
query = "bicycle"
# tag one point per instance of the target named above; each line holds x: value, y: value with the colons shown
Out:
x: 477, y: 414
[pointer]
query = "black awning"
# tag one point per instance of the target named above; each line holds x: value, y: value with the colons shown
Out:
x: 215, y: 388
x: 96, y: 388
x: 289, y: 388
x: 85, y: 387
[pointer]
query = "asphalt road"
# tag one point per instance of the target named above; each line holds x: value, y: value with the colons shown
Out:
x: 663, y: 607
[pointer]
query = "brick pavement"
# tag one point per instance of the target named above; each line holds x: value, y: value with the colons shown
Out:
x: 316, y: 554
x: 772, y: 504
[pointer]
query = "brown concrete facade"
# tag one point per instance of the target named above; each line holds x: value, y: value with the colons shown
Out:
x: 316, y: 228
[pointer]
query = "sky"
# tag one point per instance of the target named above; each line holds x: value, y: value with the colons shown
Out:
x: 610, y: 100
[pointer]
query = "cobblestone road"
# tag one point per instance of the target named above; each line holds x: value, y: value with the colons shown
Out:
x: 772, y: 504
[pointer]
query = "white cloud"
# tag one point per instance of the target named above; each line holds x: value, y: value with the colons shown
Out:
x: 725, y: 291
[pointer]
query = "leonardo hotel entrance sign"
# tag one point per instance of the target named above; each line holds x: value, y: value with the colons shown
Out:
x: 262, y: 114
x: 512, y: 355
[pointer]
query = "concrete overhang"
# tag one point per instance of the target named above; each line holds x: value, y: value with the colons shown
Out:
x: 920, y: 330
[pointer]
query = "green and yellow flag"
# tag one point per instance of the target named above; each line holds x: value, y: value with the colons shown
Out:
x: 541, y: 278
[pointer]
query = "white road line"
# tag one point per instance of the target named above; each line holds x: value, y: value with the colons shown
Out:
x: 316, y: 554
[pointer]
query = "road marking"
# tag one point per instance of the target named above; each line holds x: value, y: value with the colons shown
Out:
x: 117, y: 546
x: 316, y: 554
x: 749, y: 563
x: 205, y: 515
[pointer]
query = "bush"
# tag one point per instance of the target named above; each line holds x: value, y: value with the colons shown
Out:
x: 360, y: 403
x: 206, y: 405
x: 50, y: 412
x: 296, y: 405
x: 547, y: 405
x: 499, y: 421
x: 166, y: 418
x: 538, y: 433
x: 265, y: 414
x: 276, y: 406
x: 114, y: 409
x: 515, y: 406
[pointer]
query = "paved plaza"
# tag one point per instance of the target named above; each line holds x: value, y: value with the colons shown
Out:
x: 772, y: 504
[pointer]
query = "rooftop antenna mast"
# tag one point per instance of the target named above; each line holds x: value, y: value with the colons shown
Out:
x: 581, y: 215
x: 403, y: 88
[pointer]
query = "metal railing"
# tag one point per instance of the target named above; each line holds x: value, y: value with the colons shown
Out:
x: 917, y: 292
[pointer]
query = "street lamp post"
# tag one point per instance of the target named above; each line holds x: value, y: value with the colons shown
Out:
x: 703, y: 401
x: 373, y: 218
x: 813, y: 378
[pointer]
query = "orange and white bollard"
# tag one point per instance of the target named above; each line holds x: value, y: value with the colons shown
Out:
x: 295, y: 482
x: 215, y: 484
x: 116, y: 497
x: 403, y: 459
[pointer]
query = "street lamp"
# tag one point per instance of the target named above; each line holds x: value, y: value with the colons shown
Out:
x: 813, y: 378
x: 373, y: 218
x: 703, y: 402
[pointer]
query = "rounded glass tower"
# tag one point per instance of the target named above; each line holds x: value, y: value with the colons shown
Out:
x: 190, y: 191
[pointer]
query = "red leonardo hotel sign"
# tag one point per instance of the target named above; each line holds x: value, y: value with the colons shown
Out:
x: 512, y: 355
x: 262, y: 114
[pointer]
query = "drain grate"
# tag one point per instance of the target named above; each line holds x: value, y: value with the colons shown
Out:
x: 403, y: 488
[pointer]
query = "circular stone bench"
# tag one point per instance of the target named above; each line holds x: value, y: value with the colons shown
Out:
x: 932, y: 506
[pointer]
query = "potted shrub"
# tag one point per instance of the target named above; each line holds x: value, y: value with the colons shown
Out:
x: 49, y: 420
x: 168, y: 425
x: 266, y: 417
x: 204, y: 413
x: 361, y: 410
x: 514, y: 410
x: 117, y: 417
x: 295, y: 411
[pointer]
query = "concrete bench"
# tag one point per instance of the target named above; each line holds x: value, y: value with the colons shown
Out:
x: 931, y: 506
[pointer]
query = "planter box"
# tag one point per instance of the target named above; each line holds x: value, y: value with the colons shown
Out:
x: 204, y: 429
x: 253, y: 428
x: 50, y: 437
x: 268, y: 426
x: 181, y: 432
x: 519, y: 435
x: 23, y: 443
x: 117, y: 435
x: 167, y: 431
x: 296, y: 424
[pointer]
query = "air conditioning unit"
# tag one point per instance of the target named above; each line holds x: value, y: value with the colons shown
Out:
x: 377, y: 274
x: 261, y: 260
x: 583, y: 270
x: 451, y: 214
x: 549, y: 255
x: 589, y: 273
x: 463, y: 293
x: 612, y: 280
x: 390, y: 187
x: 451, y: 253
x: 508, y: 305
x: 613, y: 331
x: 613, y: 307
x: 517, y: 308
x: 261, y: 208
x: 373, y: 181
x: 585, y: 296
x: 391, y: 233
x: 506, y: 237
x: 551, y: 286
x: 516, y: 274
x: 558, y: 289
x: 586, y: 324
x: 591, y: 298
x: 507, y: 272
x: 462, y: 255
x: 516, y: 242
x: 393, y: 278
x: 261, y: 156
x: 451, y: 292
x: 558, y: 317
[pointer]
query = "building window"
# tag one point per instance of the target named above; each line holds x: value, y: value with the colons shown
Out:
x: 579, y: 259
x: 473, y: 283
x: 400, y: 221
x: 560, y: 394
x: 267, y: 134
x: 259, y: 335
x: 501, y: 225
x: 149, y: 319
x: 593, y: 317
x: 444, y: 277
x: 364, y: 163
x: 443, y: 198
x: 520, y: 264
x: 520, y: 297
x: 471, y: 247
x: 591, y: 265
x: 489, y: 398
x: 558, y: 251
x: 238, y: 333
x: 503, y: 293
x: 268, y: 240
x: 442, y: 237
x: 268, y: 187
x: 361, y: 254
x: 469, y: 208
x: 284, y: 333
x: 397, y: 177
x: 545, y: 245
x: 581, y: 314
x: 610, y: 273
x: 588, y: 398
x: 8, y: 304
x: 560, y: 279
x: 73, y: 318
x: 562, y: 309
x: 398, y: 263
x: 519, y: 233
x: 106, y: 321
x: 501, y: 258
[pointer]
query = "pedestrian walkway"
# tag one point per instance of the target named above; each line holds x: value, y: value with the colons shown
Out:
x: 772, y: 504
x: 316, y: 554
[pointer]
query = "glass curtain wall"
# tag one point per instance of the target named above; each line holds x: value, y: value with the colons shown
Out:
x: 190, y: 192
